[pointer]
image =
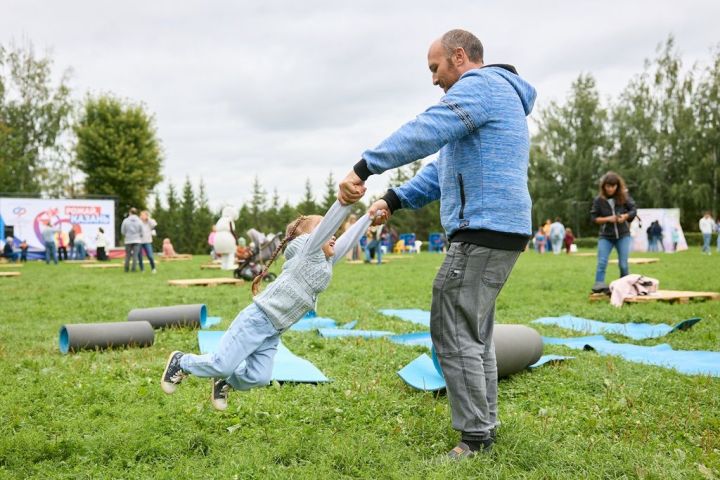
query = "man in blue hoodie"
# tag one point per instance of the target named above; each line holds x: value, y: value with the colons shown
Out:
x: 480, y: 130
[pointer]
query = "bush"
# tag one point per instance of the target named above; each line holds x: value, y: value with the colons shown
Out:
x: 586, y: 242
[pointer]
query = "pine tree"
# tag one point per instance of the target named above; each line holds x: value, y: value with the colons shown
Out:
x: 308, y: 206
x: 330, y: 193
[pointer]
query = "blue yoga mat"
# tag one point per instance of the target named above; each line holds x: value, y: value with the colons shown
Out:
x: 422, y: 373
x: 414, y: 315
x: 636, y: 331
x: 415, y: 338
x: 210, y: 321
x: 313, y: 323
x: 287, y: 366
x: 689, y: 362
x: 342, y: 332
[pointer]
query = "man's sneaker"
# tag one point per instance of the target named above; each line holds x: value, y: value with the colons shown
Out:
x: 173, y: 374
x: 462, y: 450
x: 154, y: 270
x: 219, y: 395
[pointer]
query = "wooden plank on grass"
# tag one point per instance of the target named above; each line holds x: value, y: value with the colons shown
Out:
x: 102, y: 265
x: 214, y: 266
x: 9, y: 274
x: 639, y: 261
x: 205, y: 282
x: 11, y: 265
x: 671, y: 296
x: 176, y: 258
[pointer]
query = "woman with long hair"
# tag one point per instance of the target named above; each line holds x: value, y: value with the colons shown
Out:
x: 613, y: 209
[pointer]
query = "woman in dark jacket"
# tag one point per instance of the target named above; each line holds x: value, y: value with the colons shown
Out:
x: 613, y: 210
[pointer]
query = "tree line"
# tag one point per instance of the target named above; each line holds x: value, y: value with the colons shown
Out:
x: 661, y: 133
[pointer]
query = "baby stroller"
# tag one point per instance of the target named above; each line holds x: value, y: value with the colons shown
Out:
x: 262, y: 249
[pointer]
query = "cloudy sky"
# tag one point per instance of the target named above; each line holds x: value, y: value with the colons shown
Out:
x: 295, y: 90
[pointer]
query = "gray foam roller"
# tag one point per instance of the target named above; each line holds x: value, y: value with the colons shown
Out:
x: 81, y: 336
x: 516, y: 348
x: 176, y: 315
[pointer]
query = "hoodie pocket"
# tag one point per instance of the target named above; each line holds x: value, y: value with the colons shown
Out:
x: 461, y: 184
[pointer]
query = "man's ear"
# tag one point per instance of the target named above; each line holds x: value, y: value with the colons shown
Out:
x: 459, y: 56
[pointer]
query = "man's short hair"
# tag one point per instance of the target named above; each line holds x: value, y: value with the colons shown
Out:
x: 463, y: 39
x: 133, y: 211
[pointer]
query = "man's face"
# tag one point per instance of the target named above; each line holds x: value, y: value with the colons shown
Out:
x: 444, y: 72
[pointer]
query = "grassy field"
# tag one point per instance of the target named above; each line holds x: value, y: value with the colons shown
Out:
x: 101, y: 414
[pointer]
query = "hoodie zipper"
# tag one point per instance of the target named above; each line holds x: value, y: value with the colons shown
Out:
x: 462, y: 196
x: 612, y: 208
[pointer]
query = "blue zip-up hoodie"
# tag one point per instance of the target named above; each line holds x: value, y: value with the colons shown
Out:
x: 480, y: 175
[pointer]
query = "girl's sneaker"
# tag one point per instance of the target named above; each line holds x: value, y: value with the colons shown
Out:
x: 173, y: 374
x: 219, y: 395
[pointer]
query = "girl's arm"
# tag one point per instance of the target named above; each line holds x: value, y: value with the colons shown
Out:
x: 330, y: 224
x: 350, y: 238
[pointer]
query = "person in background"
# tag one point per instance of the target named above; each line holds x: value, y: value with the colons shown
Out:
x: 557, y: 236
x: 540, y: 240
x: 168, y: 249
x: 8, y: 251
x: 71, y: 241
x: 707, y: 227
x: 568, y: 240
x: 717, y: 229
x: 61, y: 246
x: 374, y: 243
x: 132, y: 230
x: 48, y: 234
x: 23, y: 251
x: 148, y: 230
x: 613, y: 209
x: 675, y: 236
x: 100, y: 245
x: 80, y: 252
x: 211, y: 242
x: 546, y: 230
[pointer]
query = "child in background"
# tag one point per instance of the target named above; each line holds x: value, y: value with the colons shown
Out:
x: 540, y: 240
x: 100, y: 245
x: 244, y: 358
x: 168, y: 249
x: 569, y: 239
x: 242, y: 252
x: 23, y: 251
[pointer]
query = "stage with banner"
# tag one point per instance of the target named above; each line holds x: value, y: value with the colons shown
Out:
x: 672, y: 237
x: 24, y: 219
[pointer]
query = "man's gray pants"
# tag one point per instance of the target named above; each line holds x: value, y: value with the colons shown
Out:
x: 461, y: 324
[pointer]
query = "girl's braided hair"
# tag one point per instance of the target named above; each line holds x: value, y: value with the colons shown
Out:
x: 291, y: 232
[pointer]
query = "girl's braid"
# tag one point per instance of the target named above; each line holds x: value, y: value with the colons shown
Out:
x: 290, y: 236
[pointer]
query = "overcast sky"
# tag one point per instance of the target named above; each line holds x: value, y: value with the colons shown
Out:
x: 294, y: 90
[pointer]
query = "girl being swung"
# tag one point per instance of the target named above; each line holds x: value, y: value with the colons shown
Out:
x: 244, y: 358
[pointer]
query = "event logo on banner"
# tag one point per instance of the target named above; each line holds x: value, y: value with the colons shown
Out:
x: 28, y: 216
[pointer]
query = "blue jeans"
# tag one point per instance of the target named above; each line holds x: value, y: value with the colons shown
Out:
x: 51, y: 249
x: 706, y: 242
x: 605, y: 246
x: 375, y: 247
x: 132, y: 252
x: 244, y: 357
x: 147, y: 248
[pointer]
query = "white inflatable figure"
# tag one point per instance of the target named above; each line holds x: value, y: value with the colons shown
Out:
x: 224, y: 238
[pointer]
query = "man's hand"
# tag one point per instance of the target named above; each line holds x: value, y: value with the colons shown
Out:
x: 379, y: 212
x: 351, y: 189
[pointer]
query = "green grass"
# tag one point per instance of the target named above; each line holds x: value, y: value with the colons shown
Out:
x: 101, y: 414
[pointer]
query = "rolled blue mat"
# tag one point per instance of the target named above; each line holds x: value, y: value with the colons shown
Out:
x: 287, y: 367
x: 689, y: 362
x: 84, y: 336
x: 414, y: 315
x: 341, y: 332
x: 636, y: 331
x: 172, y: 316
